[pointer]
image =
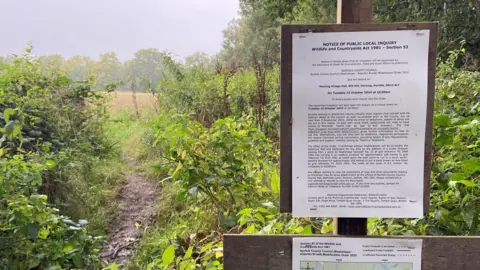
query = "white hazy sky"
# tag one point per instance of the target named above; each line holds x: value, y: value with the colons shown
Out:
x: 90, y: 27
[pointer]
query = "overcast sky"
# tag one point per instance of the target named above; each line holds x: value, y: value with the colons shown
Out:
x: 90, y: 27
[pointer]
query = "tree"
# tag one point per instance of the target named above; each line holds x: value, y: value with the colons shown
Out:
x: 78, y: 67
x: 148, y: 67
x: 301, y: 11
x: 253, y: 41
x: 295, y: 11
x: 459, y: 19
x: 108, y: 70
x: 198, y: 60
x: 227, y: 72
x: 52, y: 63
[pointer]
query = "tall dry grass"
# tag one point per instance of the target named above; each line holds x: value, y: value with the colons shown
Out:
x: 123, y: 100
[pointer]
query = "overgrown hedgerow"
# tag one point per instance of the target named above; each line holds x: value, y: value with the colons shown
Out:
x: 51, y: 142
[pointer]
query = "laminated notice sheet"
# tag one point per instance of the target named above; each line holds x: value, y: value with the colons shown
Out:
x: 359, y: 110
x: 325, y: 253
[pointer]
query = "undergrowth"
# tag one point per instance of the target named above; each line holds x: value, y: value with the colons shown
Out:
x: 59, y: 171
x: 214, y: 150
x: 223, y: 178
x: 131, y: 137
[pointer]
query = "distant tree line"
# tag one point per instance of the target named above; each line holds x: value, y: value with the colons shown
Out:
x: 143, y: 71
x: 252, y: 42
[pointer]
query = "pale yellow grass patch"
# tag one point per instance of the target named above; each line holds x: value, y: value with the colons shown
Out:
x: 123, y: 100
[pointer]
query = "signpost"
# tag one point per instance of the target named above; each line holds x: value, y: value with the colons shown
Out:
x: 352, y: 11
x: 356, y: 225
x: 356, y: 127
x: 359, y: 110
x: 274, y: 252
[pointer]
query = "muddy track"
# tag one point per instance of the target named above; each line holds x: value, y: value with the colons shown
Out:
x: 136, y: 209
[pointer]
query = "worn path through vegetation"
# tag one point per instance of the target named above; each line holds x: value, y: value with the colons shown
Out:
x: 136, y: 211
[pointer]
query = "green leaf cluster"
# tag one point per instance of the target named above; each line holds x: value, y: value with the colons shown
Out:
x: 47, y: 122
x: 227, y: 165
x: 455, y: 185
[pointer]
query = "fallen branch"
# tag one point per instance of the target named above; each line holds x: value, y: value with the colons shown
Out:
x: 165, y: 179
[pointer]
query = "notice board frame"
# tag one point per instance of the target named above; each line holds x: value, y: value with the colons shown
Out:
x: 274, y: 252
x: 286, y: 195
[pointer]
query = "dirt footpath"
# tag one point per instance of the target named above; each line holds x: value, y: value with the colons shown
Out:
x: 136, y: 209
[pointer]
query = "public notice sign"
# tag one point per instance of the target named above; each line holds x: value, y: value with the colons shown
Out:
x: 325, y: 253
x: 359, y: 110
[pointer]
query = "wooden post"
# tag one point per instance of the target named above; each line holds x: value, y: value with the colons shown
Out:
x: 352, y: 11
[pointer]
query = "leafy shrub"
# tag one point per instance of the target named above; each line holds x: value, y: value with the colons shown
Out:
x: 455, y: 186
x: 216, y: 172
x: 229, y: 165
x: 50, y: 133
x: 225, y: 176
x: 211, y: 94
x: 32, y: 232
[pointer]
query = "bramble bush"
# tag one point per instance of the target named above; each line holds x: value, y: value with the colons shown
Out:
x: 229, y: 164
x: 50, y: 127
x: 455, y: 185
x: 224, y: 178
x: 33, y: 233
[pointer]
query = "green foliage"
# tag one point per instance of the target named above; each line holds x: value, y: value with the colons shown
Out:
x: 185, y: 224
x: 79, y: 68
x: 207, y: 256
x: 144, y: 71
x: 225, y: 171
x: 454, y: 203
x: 216, y: 172
x: 456, y: 167
x: 198, y: 92
x: 298, y: 11
x: 107, y: 70
x: 50, y: 139
x: 458, y: 20
x: 32, y: 233
x: 226, y: 164
x: 266, y: 219
x: 132, y: 136
x: 70, y: 112
x: 458, y: 92
x: 209, y: 95
x: 215, y: 143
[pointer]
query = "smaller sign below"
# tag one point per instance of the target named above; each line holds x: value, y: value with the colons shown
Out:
x: 337, y: 253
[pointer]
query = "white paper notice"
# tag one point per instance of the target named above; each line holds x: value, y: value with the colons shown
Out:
x: 359, y: 107
x: 356, y: 254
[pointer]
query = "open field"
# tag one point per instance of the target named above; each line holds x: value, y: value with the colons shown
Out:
x: 122, y: 100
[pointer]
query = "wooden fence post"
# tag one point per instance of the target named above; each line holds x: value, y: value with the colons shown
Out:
x: 352, y: 11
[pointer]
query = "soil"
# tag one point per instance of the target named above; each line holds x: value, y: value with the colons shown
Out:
x: 136, y: 209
